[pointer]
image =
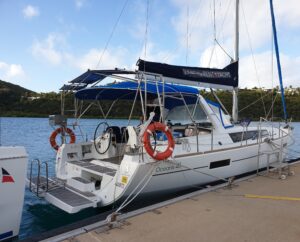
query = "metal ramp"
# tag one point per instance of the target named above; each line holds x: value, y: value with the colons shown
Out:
x: 63, y: 196
x: 60, y: 193
x: 40, y: 185
x: 70, y: 200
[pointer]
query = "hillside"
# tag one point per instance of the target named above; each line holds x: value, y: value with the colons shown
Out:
x: 6, y: 87
x: 11, y: 94
x: 20, y: 102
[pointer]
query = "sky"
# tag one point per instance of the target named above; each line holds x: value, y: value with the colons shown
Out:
x: 45, y: 44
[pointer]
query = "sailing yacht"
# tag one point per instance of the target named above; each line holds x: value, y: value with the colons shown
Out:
x: 183, y: 140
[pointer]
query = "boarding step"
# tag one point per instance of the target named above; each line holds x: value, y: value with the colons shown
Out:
x: 94, y: 168
x: 71, y: 200
x: 40, y: 184
x: 81, y: 184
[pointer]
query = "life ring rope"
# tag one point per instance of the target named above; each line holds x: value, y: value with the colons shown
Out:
x: 157, y: 155
x: 58, y: 131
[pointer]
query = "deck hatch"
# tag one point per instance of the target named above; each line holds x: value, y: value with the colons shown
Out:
x: 220, y: 163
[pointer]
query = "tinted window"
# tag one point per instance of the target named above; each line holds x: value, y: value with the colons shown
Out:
x: 239, y: 136
x: 219, y: 163
x: 180, y: 114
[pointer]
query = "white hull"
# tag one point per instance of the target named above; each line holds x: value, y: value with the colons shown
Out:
x: 13, y: 169
x: 194, y: 170
x: 91, y: 181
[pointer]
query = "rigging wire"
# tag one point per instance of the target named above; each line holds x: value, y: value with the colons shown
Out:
x: 146, y: 29
x: 112, y: 32
x: 194, y: 21
x: 187, y: 34
x: 272, y: 106
x: 254, y: 102
x: 214, y: 20
x: 253, y: 58
x: 216, y: 35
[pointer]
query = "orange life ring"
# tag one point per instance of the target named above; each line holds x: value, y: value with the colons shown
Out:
x: 58, y: 131
x: 156, y: 126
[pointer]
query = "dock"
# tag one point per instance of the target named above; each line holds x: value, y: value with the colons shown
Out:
x: 259, y: 208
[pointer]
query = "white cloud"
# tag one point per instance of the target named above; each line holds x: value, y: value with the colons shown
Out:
x: 30, y: 11
x: 79, y: 3
x: 12, y: 72
x: 50, y: 49
x: 117, y: 58
x: 249, y: 78
x: 287, y: 12
x: 54, y: 50
x: 254, y: 16
x: 214, y: 57
x: 153, y: 53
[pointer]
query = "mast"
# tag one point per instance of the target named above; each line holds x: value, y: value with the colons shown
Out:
x: 278, y: 59
x: 236, y: 58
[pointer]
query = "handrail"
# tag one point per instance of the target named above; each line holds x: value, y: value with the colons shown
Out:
x: 30, y: 177
x: 39, y: 164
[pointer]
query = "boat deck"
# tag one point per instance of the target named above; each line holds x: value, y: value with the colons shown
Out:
x: 94, y: 167
x: 263, y: 208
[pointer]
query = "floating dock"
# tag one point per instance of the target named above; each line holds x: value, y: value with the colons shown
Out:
x: 258, y: 208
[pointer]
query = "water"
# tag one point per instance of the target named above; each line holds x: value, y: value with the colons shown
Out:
x: 33, y: 133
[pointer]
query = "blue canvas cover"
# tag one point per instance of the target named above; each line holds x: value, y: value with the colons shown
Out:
x: 127, y: 90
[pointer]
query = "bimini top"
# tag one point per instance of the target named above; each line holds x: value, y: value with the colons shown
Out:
x: 128, y: 90
x: 174, y: 94
x: 92, y: 76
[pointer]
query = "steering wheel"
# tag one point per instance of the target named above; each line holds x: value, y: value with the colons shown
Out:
x: 102, y: 137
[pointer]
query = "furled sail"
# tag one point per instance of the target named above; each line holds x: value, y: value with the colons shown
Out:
x: 225, y: 78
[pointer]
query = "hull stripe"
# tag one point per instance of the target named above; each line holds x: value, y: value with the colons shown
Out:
x: 6, y: 235
x: 200, y: 167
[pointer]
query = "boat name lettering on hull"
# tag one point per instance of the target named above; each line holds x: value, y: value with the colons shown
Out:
x: 172, y: 167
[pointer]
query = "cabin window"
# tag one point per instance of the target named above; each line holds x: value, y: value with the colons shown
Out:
x: 224, y: 118
x: 180, y: 114
x: 240, y: 136
x: 220, y: 163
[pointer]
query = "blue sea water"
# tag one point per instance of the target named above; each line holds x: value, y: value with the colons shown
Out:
x: 33, y: 133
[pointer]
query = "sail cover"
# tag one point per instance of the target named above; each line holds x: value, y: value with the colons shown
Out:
x: 225, y: 78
